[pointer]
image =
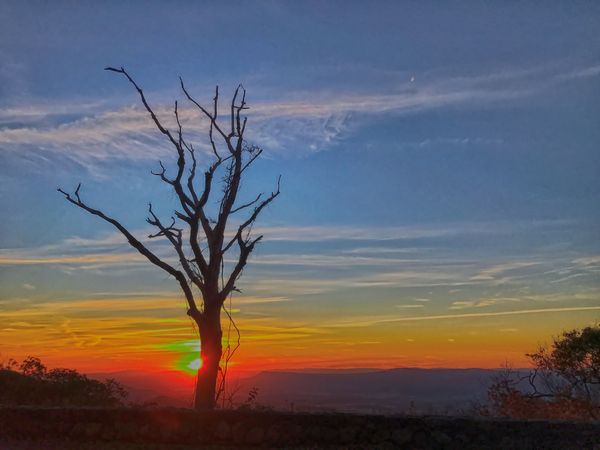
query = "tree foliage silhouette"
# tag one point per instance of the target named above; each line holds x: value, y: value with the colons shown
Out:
x: 201, y: 240
x: 563, y: 384
x: 31, y: 383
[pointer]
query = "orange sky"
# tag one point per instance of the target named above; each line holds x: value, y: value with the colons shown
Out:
x: 152, y: 334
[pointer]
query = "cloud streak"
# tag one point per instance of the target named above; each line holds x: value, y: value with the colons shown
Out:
x: 293, y: 273
x: 98, y: 134
x: 386, y: 319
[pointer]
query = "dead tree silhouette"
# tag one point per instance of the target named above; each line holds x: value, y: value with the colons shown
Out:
x: 201, y: 241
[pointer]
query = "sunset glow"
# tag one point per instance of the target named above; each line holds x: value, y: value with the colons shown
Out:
x: 195, y: 365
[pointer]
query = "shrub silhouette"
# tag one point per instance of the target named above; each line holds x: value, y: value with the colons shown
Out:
x: 31, y: 383
x: 564, y: 383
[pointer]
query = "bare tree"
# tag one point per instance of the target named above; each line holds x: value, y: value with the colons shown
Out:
x: 200, y: 240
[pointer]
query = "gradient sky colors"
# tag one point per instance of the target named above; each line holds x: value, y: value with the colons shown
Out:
x: 440, y: 195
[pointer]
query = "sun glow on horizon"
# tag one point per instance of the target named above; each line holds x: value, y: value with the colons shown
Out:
x: 196, y: 364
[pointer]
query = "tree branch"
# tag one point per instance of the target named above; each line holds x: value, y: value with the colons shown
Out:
x: 213, y: 119
x: 246, y: 246
x: 255, y: 152
x: 75, y: 199
x: 174, y: 236
x: 185, y: 201
x: 254, y: 215
x: 246, y: 205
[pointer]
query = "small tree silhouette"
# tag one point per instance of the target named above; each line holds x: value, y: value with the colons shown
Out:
x: 564, y: 383
x: 200, y: 241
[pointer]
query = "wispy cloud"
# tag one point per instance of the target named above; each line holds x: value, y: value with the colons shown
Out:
x: 454, y: 142
x: 375, y: 320
x: 120, y: 327
x: 98, y: 134
x: 325, y: 260
x: 498, y: 274
x: 92, y: 258
x: 259, y: 300
x: 482, y: 303
x: 380, y: 237
x: 382, y: 233
x: 293, y: 273
x: 382, y: 250
x: 41, y: 113
x: 588, y: 266
x: 589, y: 263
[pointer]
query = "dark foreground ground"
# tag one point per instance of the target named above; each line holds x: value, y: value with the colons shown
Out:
x: 58, y: 444
x: 177, y: 429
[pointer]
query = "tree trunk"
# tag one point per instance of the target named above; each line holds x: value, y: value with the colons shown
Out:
x: 210, y: 355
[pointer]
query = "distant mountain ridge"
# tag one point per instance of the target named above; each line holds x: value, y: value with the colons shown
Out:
x: 359, y: 390
x: 386, y: 391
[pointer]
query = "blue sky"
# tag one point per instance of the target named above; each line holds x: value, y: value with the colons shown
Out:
x: 434, y: 159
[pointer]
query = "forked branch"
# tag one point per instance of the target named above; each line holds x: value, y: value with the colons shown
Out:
x: 135, y: 243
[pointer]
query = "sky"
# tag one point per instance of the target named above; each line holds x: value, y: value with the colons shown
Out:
x: 439, y: 166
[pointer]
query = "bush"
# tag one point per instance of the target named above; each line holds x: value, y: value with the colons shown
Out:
x: 31, y: 383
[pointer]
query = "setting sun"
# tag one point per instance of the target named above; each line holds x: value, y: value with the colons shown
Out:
x: 195, y: 364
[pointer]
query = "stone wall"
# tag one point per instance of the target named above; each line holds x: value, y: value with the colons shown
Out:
x: 281, y: 430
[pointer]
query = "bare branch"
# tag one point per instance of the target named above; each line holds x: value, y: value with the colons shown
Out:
x: 190, y: 182
x: 185, y: 201
x: 236, y: 127
x: 229, y: 351
x: 159, y: 125
x: 141, y: 248
x: 174, y: 234
x: 254, y: 215
x: 190, y: 148
x: 213, y: 119
x: 245, y: 245
x: 162, y: 174
x: 216, y: 103
x: 237, y: 90
x: 246, y: 205
x: 246, y: 248
x: 255, y: 152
